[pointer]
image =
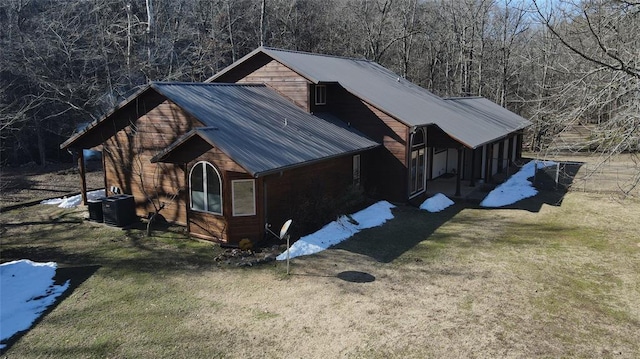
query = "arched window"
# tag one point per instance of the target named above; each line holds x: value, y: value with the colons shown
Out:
x: 206, y: 188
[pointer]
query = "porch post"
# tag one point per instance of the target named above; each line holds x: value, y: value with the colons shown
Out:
x: 83, y: 178
x: 458, y: 172
x: 187, y: 195
x: 489, y: 164
x: 472, y: 183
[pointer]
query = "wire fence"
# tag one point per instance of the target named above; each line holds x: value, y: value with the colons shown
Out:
x: 622, y: 178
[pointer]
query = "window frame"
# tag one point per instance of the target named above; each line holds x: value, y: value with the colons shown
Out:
x: 418, y: 151
x: 233, y: 197
x: 205, y: 188
x: 357, y: 170
x: 320, y: 95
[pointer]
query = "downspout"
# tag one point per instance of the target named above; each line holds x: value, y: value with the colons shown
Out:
x: 410, y: 131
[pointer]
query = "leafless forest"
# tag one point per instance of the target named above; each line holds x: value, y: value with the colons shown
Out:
x: 569, y: 66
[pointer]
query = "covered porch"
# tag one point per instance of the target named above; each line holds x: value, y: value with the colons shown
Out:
x: 467, y: 190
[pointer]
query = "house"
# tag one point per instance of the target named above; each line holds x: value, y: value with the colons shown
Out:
x: 423, y: 136
x: 231, y: 155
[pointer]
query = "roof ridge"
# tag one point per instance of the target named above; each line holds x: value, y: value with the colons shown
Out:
x: 217, y: 84
x: 316, y: 54
x: 462, y: 97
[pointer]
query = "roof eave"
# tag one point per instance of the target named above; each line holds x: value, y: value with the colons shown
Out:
x: 310, y: 162
x: 74, y: 138
x: 272, y: 55
x: 501, y: 137
x: 235, y: 64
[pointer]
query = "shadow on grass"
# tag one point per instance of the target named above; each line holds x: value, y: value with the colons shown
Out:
x: 550, y: 192
x: 409, y: 227
x: 62, y: 237
x: 76, y: 276
x: 412, y: 226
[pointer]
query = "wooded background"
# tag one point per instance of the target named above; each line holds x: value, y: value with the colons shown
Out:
x: 565, y: 65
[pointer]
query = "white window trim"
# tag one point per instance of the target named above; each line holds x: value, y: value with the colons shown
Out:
x: 205, y: 188
x: 320, y: 100
x: 233, y: 196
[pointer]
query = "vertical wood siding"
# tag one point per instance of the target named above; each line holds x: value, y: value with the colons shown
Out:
x: 127, y: 161
x: 227, y: 228
x: 387, y: 172
x: 282, y: 79
x: 288, y: 193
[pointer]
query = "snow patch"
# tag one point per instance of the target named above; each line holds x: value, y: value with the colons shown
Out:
x: 339, y: 230
x: 27, y: 289
x: 517, y: 187
x: 436, y: 203
x: 74, y: 201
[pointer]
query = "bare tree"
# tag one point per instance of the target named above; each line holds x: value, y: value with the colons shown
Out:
x: 602, y: 70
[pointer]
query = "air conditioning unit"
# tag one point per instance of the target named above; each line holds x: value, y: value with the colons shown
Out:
x: 119, y: 211
x: 95, y: 210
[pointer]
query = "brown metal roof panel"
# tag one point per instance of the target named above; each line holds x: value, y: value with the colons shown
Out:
x: 259, y: 129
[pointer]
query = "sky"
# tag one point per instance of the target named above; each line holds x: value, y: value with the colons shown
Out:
x: 27, y: 289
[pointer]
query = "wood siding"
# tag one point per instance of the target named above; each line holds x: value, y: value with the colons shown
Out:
x: 127, y: 161
x: 387, y: 171
x: 293, y: 193
x: 227, y: 228
x: 282, y: 79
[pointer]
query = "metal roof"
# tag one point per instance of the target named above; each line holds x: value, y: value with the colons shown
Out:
x: 259, y: 129
x: 407, y: 102
x: 493, y: 115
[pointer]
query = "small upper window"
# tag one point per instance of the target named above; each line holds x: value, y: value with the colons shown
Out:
x: 321, y: 95
x: 418, y: 139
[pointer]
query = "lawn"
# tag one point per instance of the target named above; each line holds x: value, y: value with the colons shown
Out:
x: 559, y: 281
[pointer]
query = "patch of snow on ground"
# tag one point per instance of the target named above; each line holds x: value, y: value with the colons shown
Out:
x: 436, y: 203
x: 27, y: 289
x: 339, y: 230
x: 517, y: 187
x: 74, y: 201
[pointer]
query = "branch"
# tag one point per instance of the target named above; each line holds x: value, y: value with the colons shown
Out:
x: 622, y: 67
